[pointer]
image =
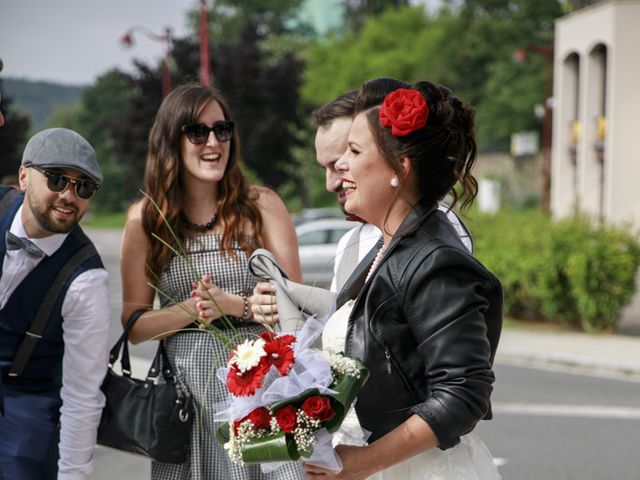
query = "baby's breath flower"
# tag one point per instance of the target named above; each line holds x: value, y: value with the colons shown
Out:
x: 304, y: 433
x: 342, y: 366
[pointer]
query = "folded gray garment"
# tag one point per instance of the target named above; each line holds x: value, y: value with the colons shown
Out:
x: 295, y: 301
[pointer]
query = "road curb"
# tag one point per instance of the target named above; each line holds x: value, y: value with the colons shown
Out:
x: 568, y: 360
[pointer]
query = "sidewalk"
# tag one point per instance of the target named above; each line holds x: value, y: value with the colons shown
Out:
x: 614, y: 354
x: 604, y: 353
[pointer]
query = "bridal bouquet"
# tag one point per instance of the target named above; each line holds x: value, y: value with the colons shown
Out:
x: 286, y: 398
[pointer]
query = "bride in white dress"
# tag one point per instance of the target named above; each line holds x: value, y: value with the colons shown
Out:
x: 469, y: 460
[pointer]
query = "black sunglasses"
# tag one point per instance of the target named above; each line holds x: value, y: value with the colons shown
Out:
x: 198, y: 133
x: 57, y: 182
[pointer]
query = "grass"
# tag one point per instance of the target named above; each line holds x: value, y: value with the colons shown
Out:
x: 104, y: 220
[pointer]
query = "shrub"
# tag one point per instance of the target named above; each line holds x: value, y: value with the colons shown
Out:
x: 573, y: 271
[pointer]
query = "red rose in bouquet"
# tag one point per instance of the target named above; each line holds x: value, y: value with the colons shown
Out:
x: 260, y: 418
x: 405, y: 111
x: 287, y: 418
x: 318, y: 408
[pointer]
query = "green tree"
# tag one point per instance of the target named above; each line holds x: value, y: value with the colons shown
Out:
x: 467, y: 46
x: 399, y: 43
x: 13, y: 136
x: 503, y: 91
x: 97, y: 117
x: 358, y: 11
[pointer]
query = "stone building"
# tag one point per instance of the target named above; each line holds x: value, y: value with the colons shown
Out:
x: 596, y: 139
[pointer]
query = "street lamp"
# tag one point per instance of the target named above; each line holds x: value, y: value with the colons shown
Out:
x: 520, y: 56
x: 203, y: 34
x: 166, y: 39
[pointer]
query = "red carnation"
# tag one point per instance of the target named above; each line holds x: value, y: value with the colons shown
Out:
x: 318, y: 408
x: 405, y: 111
x: 243, y: 384
x: 260, y: 417
x: 287, y: 418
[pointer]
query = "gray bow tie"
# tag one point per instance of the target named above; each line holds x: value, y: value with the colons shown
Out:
x: 16, y: 243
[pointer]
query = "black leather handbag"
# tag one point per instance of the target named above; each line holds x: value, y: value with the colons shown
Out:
x: 150, y: 417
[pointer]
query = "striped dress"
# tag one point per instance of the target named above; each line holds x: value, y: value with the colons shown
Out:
x: 196, y: 355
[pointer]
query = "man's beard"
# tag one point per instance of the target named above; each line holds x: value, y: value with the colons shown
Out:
x: 44, y: 216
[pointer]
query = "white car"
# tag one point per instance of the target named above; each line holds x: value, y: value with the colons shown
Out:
x: 317, y: 245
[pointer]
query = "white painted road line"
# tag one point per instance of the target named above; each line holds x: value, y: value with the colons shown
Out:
x: 557, y: 410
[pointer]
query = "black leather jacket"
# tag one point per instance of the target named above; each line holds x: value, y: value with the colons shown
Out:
x: 427, y: 326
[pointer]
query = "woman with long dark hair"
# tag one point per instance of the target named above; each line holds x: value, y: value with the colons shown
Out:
x: 194, y: 189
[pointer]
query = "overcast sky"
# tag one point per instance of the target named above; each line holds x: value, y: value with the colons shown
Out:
x: 75, y: 41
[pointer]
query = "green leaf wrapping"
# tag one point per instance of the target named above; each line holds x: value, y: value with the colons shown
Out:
x: 274, y: 448
x: 347, y: 389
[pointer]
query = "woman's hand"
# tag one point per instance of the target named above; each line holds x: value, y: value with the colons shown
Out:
x: 355, y: 465
x: 211, y: 301
x: 263, y: 304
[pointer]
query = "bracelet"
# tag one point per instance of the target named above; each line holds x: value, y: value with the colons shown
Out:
x: 245, y: 309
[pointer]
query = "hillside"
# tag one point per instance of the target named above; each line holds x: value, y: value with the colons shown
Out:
x: 38, y: 99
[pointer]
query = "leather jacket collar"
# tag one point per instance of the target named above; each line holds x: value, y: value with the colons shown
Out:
x: 355, y: 285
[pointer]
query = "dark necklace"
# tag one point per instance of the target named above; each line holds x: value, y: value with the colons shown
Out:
x: 201, y: 227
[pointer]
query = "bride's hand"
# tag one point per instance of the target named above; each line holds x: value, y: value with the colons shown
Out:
x: 355, y: 465
x: 263, y: 303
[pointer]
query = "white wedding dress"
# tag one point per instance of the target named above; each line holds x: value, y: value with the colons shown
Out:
x: 469, y: 460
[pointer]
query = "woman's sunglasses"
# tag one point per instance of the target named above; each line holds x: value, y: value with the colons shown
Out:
x: 198, y: 133
x: 56, y: 182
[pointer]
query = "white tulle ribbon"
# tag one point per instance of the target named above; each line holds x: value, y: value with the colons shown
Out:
x: 324, y: 455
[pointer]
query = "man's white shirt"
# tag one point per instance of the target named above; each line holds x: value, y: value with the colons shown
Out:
x: 370, y: 234
x: 86, y: 317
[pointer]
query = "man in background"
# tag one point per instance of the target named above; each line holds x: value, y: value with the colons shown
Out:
x: 54, y: 313
x: 333, y: 121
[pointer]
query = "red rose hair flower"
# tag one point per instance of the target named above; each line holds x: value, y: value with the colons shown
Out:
x: 287, y: 418
x: 318, y: 408
x: 405, y: 111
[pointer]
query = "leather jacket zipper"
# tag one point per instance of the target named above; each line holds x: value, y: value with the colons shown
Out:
x: 389, y: 362
x: 388, y: 357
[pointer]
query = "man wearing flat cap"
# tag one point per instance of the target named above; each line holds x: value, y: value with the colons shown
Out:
x: 54, y: 313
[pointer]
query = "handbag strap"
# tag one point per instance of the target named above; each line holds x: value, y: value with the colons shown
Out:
x: 159, y: 363
x: 124, y: 340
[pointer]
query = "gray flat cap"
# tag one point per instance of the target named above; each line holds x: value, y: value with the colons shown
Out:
x: 62, y: 148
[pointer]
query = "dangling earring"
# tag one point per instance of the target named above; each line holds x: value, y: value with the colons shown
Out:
x: 394, y: 182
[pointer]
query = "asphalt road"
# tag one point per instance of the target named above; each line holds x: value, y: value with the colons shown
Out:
x: 561, y: 426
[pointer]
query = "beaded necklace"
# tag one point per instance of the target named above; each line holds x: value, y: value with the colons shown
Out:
x: 201, y: 227
x: 376, y: 262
